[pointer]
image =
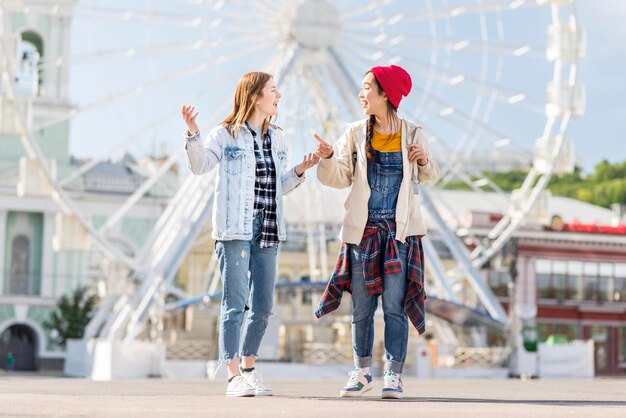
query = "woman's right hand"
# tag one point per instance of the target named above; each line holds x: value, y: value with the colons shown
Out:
x: 323, y: 149
x: 189, y: 116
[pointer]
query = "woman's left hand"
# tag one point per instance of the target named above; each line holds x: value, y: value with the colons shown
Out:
x: 308, y: 161
x: 417, y: 153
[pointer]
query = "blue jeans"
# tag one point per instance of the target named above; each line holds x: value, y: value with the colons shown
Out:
x: 244, y: 267
x: 364, y: 306
x: 384, y: 177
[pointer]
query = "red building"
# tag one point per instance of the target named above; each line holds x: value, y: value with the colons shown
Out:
x: 572, y: 268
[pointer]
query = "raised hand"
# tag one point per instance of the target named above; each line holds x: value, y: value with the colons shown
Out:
x: 323, y: 149
x: 189, y: 116
x: 417, y: 153
x: 308, y: 161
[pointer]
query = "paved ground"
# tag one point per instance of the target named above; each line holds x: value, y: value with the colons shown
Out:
x: 34, y: 396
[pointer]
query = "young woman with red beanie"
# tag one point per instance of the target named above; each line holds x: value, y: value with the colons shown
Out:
x: 381, y: 158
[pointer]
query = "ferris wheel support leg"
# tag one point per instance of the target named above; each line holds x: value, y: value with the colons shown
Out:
x: 287, y: 59
x: 460, y: 254
x: 437, y: 270
x: 345, y: 84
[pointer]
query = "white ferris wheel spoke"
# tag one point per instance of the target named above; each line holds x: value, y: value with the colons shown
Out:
x: 447, y: 109
x: 459, y: 79
x: 143, y: 87
x: 151, y: 181
x: 126, y: 53
x: 150, y: 127
x: 368, y: 7
x: 144, y: 17
x: 465, y: 172
x: 268, y: 8
x: 491, y: 7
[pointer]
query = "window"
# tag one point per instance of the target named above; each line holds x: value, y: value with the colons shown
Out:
x: 30, y: 78
x: 19, y: 270
x: 590, y: 271
x: 590, y: 289
x: 544, y: 287
x: 560, y: 286
x: 621, y: 344
x: 576, y: 286
x: 619, y: 292
x: 575, y: 281
x: 558, y: 332
x: 605, y: 282
x: 543, y: 266
x: 606, y: 285
x: 580, y: 281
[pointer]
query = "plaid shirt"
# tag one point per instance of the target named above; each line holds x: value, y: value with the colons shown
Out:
x: 265, y: 190
x: 380, y: 249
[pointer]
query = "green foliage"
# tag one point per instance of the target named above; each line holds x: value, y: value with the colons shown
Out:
x: 71, y: 316
x: 509, y: 181
x: 606, y: 186
x: 606, y: 171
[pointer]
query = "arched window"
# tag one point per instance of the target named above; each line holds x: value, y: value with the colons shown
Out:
x: 29, y: 80
x: 19, y: 270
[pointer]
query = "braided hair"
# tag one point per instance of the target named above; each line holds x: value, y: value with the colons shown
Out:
x: 369, y: 133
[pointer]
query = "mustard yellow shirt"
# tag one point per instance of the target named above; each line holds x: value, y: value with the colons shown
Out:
x: 387, y: 143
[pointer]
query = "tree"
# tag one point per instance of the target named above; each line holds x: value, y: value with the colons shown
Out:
x: 71, y: 316
x: 606, y: 186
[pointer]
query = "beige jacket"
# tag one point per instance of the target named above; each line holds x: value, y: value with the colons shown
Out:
x: 340, y: 172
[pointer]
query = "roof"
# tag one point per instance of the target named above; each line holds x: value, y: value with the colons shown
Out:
x: 455, y: 205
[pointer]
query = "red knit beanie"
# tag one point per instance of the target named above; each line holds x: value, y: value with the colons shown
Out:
x: 395, y: 81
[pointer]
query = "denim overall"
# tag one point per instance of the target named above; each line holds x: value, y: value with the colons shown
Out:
x: 384, y: 177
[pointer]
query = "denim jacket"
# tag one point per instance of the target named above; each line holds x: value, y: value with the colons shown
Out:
x: 234, y: 191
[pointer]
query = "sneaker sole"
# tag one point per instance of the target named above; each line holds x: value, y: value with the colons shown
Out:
x: 393, y: 395
x: 266, y: 393
x: 246, y: 394
x: 355, y: 394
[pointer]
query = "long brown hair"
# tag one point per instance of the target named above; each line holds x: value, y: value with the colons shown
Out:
x: 249, y: 90
x: 392, y: 115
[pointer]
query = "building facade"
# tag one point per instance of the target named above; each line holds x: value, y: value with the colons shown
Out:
x: 568, y: 275
x: 44, y: 252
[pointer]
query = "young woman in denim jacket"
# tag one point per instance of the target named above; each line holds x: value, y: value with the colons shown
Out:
x: 381, y: 158
x: 248, y: 221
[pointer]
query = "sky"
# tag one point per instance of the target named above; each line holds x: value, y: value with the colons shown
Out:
x: 596, y: 136
x: 599, y: 134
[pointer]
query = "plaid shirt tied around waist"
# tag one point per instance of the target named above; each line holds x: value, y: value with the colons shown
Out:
x: 380, y: 253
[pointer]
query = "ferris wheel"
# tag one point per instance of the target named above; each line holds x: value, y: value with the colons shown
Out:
x: 495, y: 77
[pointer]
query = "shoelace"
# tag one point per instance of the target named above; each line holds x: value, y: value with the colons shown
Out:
x: 354, y: 377
x: 256, y: 379
x: 241, y: 384
x: 392, y: 380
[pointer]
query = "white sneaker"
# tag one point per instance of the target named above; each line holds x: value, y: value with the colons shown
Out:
x: 393, y: 386
x: 239, y: 387
x: 255, y: 380
x: 357, y: 385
